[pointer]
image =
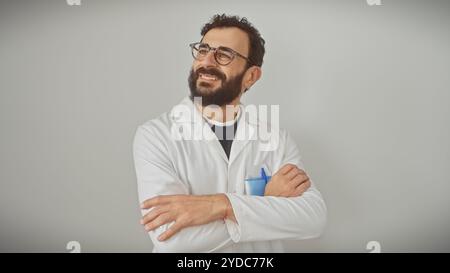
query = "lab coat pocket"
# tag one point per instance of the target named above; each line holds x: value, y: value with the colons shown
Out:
x: 255, y: 181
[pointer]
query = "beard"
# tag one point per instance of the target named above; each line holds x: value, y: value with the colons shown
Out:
x: 228, y: 90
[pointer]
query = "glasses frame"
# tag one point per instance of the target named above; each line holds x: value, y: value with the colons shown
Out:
x: 233, y: 52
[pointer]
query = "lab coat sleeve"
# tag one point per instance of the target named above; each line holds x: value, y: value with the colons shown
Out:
x: 261, y: 218
x: 156, y: 176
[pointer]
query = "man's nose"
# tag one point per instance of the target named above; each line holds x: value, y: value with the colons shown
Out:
x: 209, y: 60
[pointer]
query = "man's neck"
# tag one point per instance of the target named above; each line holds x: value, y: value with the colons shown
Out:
x: 223, y: 114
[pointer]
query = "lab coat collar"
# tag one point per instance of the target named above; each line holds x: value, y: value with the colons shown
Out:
x: 194, y: 127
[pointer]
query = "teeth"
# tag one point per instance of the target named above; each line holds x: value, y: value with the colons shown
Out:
x: 208, y: 77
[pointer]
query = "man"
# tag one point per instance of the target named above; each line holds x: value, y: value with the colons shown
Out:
x: 191, y: 163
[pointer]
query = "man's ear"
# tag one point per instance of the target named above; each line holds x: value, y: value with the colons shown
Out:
x: 253, y: 74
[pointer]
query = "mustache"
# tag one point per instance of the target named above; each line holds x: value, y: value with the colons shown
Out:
x: 210, y: 71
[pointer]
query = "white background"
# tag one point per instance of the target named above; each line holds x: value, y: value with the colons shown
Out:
x: 364, y: 90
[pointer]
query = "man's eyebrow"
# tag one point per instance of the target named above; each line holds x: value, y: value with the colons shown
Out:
x: 221, y: 46
x: 227, y: 48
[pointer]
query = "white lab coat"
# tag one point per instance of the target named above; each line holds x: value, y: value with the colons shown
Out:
x: 169, y: 164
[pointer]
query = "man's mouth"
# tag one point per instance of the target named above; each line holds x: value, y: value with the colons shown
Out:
x: 207, y: 77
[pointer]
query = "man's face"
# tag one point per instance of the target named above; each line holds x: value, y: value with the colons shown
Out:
x: 215, y: 83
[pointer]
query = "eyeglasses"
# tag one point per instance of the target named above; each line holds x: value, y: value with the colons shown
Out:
x: 222, y: 55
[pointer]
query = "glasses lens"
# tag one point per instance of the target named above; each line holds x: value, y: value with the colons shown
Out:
x: 203, y: 49
x: 200, y: 50
x: 224, y: 56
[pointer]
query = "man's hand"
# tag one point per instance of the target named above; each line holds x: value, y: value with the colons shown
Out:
x: 185, y: 211
x: 289, y: 181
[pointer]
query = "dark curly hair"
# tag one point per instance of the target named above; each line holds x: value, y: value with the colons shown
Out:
x: 256, y: 51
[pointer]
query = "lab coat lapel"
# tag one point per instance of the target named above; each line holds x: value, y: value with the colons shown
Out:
x: 201, y: 129
x: 246, y: 132
x: 212, y: 141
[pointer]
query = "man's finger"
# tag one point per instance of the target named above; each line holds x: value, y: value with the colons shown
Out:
x: 152, y: 202
x: 160, y: 200
x: 293, y: 173
x: 286, y: 168
x: 152, y: 214
x: 176, y: 227
x: 159, y: 221
x: 299, y: 179
x: 302, y: 188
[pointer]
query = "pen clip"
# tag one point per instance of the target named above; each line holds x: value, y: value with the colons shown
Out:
x: 263, y: 175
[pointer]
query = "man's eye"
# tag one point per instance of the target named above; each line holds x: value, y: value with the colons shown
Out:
x: 223, y: 56
x: 203, y: 51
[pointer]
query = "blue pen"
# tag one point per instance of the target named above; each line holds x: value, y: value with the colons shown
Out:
x: 263, y: 175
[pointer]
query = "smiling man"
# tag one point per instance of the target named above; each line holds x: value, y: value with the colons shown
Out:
x: 196, y: 190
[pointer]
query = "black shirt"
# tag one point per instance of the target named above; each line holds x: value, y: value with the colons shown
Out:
x: 225, y: 134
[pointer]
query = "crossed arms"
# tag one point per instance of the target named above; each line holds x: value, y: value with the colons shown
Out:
x: 194, y: 210
x: 292, y: 207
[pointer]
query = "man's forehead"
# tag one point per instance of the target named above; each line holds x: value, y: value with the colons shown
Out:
x: 231, y: 37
